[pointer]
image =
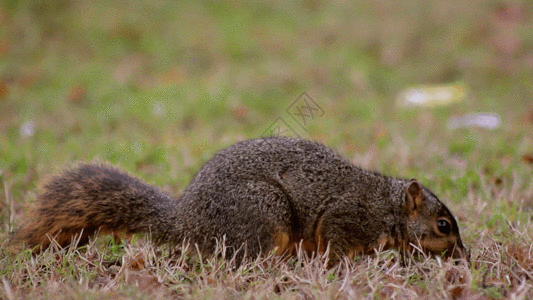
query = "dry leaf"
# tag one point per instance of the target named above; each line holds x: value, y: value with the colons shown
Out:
x: 528, y: 158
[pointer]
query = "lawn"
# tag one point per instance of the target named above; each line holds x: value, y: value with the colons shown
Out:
x: 157, y: 87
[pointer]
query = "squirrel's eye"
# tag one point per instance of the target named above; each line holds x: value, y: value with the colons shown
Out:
x: 444, y: 226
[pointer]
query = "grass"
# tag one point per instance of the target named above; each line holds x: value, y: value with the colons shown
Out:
x: 158, y: 87
x: 140, y: 270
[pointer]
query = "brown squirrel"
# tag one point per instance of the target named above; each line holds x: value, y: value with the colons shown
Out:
x: 268, y: 194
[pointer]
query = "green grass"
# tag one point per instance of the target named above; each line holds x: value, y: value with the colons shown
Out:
x: 157, y: 88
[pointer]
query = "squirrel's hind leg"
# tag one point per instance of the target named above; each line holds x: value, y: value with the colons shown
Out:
x: 256, y: 221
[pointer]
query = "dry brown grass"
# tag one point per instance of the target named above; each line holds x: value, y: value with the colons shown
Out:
x: 140, y: 270
x: 498, y: 233
x: 158, y: 86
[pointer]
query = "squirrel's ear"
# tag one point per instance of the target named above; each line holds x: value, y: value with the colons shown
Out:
x: 414, y: 197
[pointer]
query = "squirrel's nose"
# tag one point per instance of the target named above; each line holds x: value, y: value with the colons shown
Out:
x: 460, y: 254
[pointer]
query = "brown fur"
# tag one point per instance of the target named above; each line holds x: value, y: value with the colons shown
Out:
x: 271, y: 194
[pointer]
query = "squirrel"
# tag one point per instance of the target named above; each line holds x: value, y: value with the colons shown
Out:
x: 267, y: 195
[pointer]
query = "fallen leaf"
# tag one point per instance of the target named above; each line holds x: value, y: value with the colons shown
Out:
x: 528, y: 158
x: 136, y: 262
x: 239, y: 113
x: 456, y: 292
x: 77, y: 93
x: 4, y: 47
x: 4, y: 90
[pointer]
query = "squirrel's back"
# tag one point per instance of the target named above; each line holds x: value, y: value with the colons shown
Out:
x: 257, y: 195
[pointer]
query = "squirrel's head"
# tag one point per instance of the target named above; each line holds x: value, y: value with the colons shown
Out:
x: 430, y: 225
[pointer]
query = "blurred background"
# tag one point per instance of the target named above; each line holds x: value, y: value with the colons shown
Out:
x: 158, y: 86
x: 437, y: 90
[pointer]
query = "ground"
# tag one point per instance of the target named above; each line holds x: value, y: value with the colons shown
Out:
x: 158, y: 87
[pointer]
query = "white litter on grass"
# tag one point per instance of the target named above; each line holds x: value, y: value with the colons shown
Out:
x: 27, y: 129
x: 488, y: 121
x: 431, y: 95
x: 158, y: 109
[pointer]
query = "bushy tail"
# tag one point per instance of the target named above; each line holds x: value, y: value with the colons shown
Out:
x: 95, y: 198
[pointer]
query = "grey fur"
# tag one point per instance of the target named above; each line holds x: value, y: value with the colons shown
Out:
x: 244, y: 195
